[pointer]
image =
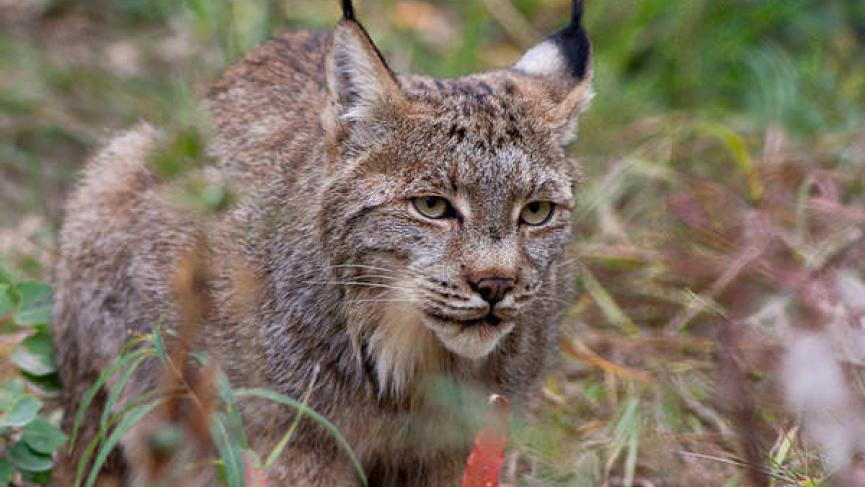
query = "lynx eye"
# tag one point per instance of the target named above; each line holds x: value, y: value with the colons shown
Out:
x: 537, y: 213
x: 433, y: 207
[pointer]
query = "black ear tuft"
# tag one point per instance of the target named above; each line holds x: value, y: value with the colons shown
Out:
x: 574, y: 44
x: 564, y: 58
x: 348, y: 10
x: 565, y: 54
x: 577, y: 12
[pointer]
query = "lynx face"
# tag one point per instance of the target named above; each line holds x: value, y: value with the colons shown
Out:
x: 457, y: 216
x: 450, y: 201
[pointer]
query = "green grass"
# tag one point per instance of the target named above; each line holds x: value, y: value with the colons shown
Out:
x: 725, y: 145
x: 221, y: 416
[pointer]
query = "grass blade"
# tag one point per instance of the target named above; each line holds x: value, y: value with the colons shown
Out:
x: 626, y: 433
x: 737, y: 147
x: 118, y: 388
x: 607, y: 304
x: 159, y: 344
x: 233, y: 419
x: 94, y: 389
x: 321, y: 420
x: 229, y: 453
x: 125, y: 425
x: 100, y: 435
x: 297, y: 417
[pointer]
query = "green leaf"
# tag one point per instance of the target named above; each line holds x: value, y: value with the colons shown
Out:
x: 22, y: 410
x: 35, y: 305
x: 42, y: 436
x: 46, y: 386
x: 38, y: 478
x: 25, y: 459
x: 6, y: 302
x: 10, y: 392
x: 35, y: 355
x: 5, y: 471
x: 5, y: 275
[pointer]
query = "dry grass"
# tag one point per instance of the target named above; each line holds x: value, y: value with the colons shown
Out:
x: 718, y: 339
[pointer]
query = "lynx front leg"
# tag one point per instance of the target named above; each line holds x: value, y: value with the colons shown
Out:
x: 307, y: 467
x: 444, y: 473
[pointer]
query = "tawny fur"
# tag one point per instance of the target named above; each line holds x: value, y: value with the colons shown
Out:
x: 324, y: 149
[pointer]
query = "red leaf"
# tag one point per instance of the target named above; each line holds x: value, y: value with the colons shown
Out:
x: 488, y: 454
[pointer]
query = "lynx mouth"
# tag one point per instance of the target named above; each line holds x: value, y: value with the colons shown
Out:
x: 474, y: 338
x: 490, y: 320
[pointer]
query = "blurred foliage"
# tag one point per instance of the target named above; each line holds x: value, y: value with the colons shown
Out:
x: 212, y: 425
x: 719, y: 128
x: 71, y: 69
x: 28, y: 438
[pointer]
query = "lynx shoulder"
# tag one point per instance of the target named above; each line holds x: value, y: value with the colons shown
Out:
x: 389, y: 231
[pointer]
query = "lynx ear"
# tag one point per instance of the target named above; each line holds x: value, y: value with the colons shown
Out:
x: 564, y: 59
x: 359, y: 81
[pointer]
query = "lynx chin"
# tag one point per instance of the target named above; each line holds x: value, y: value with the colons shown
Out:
x: 388, y: 231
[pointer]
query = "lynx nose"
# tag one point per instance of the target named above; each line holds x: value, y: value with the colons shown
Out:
x: 493, y: 289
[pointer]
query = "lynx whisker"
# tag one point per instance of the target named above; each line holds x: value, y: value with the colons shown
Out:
x: 365, y: 266
x: 358, y: 301
x: 551, y: 300
x: 357, y: 283
x: 384, y: 272
x: 566, y: 262
x: 374, y: 276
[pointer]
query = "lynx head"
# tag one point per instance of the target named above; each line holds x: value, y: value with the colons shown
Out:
x: 449, y: 201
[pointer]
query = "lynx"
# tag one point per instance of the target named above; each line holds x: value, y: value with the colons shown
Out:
x: 395, y: 229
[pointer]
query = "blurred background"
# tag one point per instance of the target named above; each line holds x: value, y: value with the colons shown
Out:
x: 718, y: 339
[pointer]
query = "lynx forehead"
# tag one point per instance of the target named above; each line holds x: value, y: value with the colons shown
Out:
x: 395, y: 228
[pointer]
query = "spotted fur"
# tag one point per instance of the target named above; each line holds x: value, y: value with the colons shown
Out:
x: 325, y: 148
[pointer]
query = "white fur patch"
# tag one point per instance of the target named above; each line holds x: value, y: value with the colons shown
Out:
x: 474, y: 342
x: 356, y: 69
x: 544, y: 59
x: 403, y: 348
